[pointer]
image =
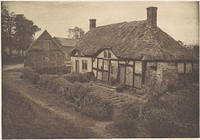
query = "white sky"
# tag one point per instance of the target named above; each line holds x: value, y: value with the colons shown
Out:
x: 178, y: 19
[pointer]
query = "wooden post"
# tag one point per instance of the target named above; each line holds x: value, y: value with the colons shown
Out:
x: 125, y: 73
x: 109, y: 70
x: 118, y: 71
x: 103, y: 70
x: 97, y: 67
x: 143, y: 71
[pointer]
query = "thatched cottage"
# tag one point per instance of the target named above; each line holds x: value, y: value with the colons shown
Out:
x: 132, y: 53
x: 47, y: 54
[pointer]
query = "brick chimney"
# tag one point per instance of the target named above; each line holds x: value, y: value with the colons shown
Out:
x: 152, y: 17
x: 92, y: 23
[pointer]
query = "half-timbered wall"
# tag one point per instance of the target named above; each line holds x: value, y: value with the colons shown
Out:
x: 44, y: 54
x: 133, y: 73
x: 107, y: 66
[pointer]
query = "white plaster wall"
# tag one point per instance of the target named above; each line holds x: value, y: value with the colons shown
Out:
x: 138, y: 67
x: 115, y: 66
x: 188, y: 67
x: 180, y: 67
x: 106, y: 64
x: 95, y: 73
x: 129, y: 76
x: 95, y: 63
x: 163, y: 68
x: 89, y: 64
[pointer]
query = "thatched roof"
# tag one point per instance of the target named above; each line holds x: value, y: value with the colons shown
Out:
x: 133, y: 40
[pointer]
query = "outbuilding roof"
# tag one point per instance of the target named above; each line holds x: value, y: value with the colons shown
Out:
x: 66, y: 41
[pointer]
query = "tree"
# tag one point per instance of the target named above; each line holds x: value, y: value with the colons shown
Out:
x: 7, y: 31
x: 75, y: 33
x: 24, y: 33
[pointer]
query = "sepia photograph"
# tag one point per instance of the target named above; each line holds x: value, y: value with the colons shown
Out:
x: 100, y: 69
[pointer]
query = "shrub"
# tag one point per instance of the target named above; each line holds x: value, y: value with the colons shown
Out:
x: 78, y: 95
x: 126, y: 114
x: 166, y: 115
x: 97, y: 107
x: 54, y: 70
x: 79, y: 77
x: 113, y: 81
x: 28, y: 73
x: 120, y: 88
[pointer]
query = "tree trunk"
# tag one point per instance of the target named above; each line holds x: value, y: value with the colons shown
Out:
x: 18, y: 53
x: 22, y: 53
x: 10, y: 51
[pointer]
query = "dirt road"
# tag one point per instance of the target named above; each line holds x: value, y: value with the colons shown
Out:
x: 32, y: 113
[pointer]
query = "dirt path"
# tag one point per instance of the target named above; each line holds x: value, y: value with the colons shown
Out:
x: 8, y: 67
x: 56, y: 106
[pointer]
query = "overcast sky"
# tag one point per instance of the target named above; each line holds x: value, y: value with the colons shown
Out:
x: 178, y: 19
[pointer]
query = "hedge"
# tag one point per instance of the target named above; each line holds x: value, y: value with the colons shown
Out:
x: 127, y: 113
x: 80, y: 77
x: 29, y: 74
x: 78, y: 95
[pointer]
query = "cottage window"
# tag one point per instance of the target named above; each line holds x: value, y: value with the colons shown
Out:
x: 105, y: 54
x: 84, y: 65
x: 109, y: 54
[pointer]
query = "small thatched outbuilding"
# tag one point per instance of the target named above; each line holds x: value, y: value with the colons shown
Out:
x: 132, y: 53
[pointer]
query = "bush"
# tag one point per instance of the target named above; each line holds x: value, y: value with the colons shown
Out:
x: 29, y: 74
x: 97, y: 107
x: 126, y: 114
x: 120, y: 88
x: 54, y: 70
x: 78, y: 96
x: 79, y: 77
x: 166, y: 115
x: 113, y: 81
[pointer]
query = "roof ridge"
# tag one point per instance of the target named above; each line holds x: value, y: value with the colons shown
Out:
x: 121, y: 23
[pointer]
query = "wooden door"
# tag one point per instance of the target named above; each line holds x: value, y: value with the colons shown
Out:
x: 77, y: 66
x: 122, y: 74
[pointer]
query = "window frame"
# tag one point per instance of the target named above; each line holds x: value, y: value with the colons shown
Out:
x: 84, y: 65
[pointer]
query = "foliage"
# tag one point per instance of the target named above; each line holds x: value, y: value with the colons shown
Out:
x: 29, y: 74
x: 17, y: 31
x: 172, y: 113
x: 85, y: 77
x: 75, y: 33
x: 24, y: 32
x: 125, y: 114
x: 113, y: 81
x: 120, y: 88
x: 78, y: 96
x: 7, y: 26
